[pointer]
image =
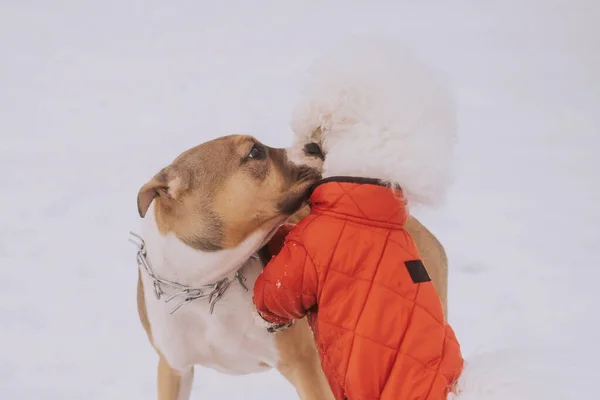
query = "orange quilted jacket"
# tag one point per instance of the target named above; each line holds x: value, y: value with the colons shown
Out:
x: 377, y: 319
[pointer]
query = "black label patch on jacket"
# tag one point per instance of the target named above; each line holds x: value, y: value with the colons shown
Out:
x: 417, y: 271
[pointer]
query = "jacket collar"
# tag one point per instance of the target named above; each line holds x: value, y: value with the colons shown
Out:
x: 365, y: 199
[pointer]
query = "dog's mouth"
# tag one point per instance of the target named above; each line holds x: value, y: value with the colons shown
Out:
x: 308, y: 174
x: 293, y: 202
x: 306, y: 178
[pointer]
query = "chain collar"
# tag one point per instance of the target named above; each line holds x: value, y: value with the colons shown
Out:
x: 186, y: 294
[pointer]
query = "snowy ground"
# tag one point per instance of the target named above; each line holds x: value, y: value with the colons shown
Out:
x: 97, y: 96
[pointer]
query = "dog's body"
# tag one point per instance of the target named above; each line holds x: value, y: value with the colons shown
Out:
x: 369, y: 110
x: 212, y: 210
x: 227, y: 340
x: 205, y: 217
x: 231, y: 339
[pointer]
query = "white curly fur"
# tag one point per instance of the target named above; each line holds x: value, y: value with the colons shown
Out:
x: 379, y: 113
x: 383, y: 115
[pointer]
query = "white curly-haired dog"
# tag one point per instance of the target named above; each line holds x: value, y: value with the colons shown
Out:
x: 377, y: 112
x: 371, y: 109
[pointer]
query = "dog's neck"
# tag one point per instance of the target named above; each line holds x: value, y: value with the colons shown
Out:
x: 173, y: 260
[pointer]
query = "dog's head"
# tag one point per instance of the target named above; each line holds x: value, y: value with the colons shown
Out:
x: 215, y: 195
x: 371, y: 108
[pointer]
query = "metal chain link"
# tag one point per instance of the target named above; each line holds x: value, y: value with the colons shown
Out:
x: 213, y: 291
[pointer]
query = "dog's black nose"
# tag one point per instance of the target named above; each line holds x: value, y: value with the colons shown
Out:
x: 313, y: 149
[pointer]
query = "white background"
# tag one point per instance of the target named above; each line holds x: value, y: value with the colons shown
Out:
x: 97, y: 96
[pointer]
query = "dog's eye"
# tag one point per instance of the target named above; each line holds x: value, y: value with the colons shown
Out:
x: 257, y: 152
x: 313, y: 149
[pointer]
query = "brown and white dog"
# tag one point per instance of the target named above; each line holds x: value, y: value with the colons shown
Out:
x: 205, y: 217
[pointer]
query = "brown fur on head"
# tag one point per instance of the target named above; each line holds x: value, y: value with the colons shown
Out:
x: 216, y: 194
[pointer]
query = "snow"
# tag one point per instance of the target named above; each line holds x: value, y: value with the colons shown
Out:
x: 95, y: 97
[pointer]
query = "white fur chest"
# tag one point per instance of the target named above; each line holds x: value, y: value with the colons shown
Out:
x: 231, y: 339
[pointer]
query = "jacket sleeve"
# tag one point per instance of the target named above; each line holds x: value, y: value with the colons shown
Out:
x: 287, y: 287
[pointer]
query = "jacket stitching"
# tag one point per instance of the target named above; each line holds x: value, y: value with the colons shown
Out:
x: 414, y: 358
x: 437, y: 370
x: 414, y: 254
x: 314, y: 268
x: 302, y: 283
x: 339, y: 196
x: 348, y: 192
x: 365, y: 222
x: 393, y: 291
x: 356, y: 204
x: 414, y: 301
x: 328, y: 264
x: 364, y: 305
x: 410, y: 320
x: 270, y: 282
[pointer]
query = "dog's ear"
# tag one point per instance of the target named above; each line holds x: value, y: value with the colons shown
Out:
x: 166, y: 183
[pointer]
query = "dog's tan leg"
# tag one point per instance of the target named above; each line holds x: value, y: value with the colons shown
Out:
x: 173, y: 385
x: 300, y: 363
x: 434, y: 258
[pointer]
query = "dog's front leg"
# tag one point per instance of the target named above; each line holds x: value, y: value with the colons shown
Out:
x: 172, y: 384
